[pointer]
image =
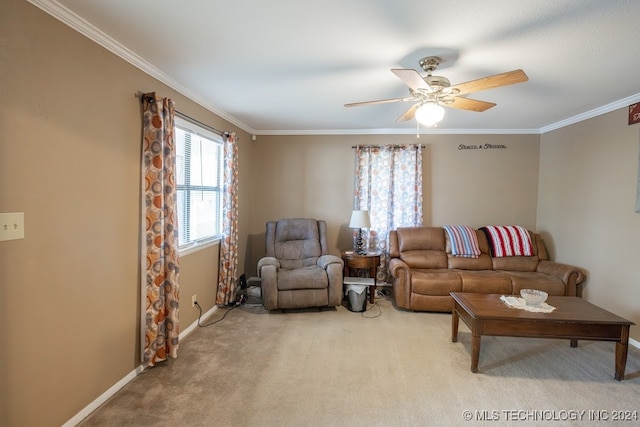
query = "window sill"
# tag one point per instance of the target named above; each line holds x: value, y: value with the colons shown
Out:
x: 195, y: 247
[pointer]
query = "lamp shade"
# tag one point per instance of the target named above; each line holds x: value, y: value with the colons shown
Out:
x: 429, y: 113
x: 360, y: 219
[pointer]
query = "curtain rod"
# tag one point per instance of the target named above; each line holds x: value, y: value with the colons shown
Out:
x: 204, y: 125
x: 392, y: 145
x: 140, y: 95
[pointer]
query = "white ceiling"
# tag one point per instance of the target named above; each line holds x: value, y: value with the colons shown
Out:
x: 289, y: 66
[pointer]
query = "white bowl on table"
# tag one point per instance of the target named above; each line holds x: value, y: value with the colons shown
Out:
x: 533, y: 297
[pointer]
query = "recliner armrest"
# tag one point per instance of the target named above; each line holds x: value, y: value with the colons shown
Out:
x: 325, y: 260
x: 268, y: 261
x: 268, y: 271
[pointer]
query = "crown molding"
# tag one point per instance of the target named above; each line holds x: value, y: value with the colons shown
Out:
x: 85, y: 28
x: 404, y: 131
x: 74, y: 21
x: 622, y: 103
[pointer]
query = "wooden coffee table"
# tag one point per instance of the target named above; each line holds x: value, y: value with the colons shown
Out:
x: 573, y: 319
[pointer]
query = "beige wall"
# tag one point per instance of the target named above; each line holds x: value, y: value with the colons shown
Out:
x: 586, y: 207
x: 70, y: 160
x: 312, y: 176
x: 485, y: 186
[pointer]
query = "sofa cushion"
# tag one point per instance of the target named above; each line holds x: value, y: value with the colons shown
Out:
x: 441, y: 303
x: 421, y: 238
x: 483, y: 262
x: 435, y: 281
x: 425, y: 259
x: 531, y: 280
x: 516, y: 263
x: 485, y: 282
x: 422, y: 247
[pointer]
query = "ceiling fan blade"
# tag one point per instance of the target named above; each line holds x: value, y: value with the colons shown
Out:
x: 409, y: 114
x: 412, y: 79
x: 491, y: 82
x: 470, y: 104
x: 381, y: 101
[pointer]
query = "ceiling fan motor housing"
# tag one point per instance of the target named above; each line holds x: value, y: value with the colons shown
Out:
x: 437, y: 82
x: 430, y: 63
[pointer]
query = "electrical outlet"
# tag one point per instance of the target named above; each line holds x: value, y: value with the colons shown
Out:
x: 194, y: 300
x: 11, y: 226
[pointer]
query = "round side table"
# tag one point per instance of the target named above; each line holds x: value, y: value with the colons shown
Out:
x: 369, y: 262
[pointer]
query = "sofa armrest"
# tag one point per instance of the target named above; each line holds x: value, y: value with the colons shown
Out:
x: 400, y: 274
x: 325, y: 260
x: 572, y: 276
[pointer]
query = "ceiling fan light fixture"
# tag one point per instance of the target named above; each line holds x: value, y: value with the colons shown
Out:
x: 430, y: 113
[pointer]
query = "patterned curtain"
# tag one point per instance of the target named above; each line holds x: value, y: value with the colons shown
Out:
x: 228, y: 270
x: 388, y: 184
x: 159, y: 258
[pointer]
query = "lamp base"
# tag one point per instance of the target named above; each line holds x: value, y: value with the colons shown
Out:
x: 359, y: 245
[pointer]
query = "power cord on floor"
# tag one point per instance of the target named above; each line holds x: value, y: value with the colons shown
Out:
x: 364, y: 313
x: 229, y: 308
x: 383, y: 293
x: 380, y: 293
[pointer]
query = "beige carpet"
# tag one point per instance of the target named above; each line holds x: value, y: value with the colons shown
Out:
x: 339, y: 368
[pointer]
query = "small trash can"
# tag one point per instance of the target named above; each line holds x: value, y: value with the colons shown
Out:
x: 356, y: 297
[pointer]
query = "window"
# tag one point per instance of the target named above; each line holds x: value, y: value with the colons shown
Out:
x: 389, y: 185
x: 199, y: 177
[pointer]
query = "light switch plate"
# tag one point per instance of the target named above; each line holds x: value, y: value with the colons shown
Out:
x: 11, y: 226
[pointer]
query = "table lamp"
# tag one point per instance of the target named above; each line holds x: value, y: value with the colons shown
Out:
x: 359, y: 220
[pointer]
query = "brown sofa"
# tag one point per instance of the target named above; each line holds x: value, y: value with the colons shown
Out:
x: 423, y: 271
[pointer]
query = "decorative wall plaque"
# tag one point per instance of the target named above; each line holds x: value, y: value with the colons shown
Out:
x: 634, y: 114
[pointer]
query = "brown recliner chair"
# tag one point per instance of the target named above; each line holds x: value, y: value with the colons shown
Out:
x: 297, y: 271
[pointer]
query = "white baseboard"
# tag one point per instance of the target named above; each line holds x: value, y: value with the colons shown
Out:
x: 87, y: 410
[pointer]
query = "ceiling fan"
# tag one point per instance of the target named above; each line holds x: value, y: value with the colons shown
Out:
x: 430, y: 93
